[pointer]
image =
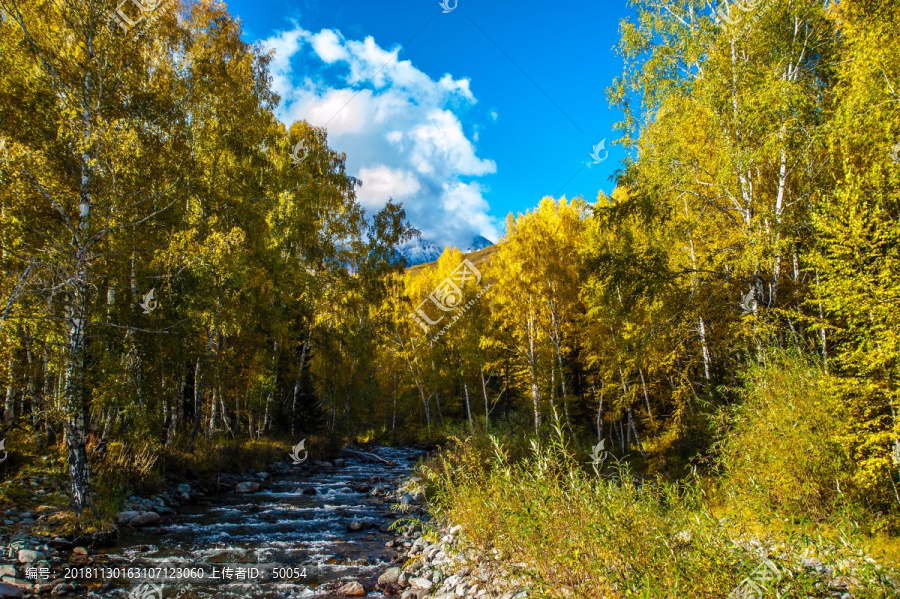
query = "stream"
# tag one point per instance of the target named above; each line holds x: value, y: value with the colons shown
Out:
x: 275, y: 543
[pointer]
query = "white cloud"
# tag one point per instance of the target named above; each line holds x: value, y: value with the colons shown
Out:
x: 402, y: 130
x: 381, y: 182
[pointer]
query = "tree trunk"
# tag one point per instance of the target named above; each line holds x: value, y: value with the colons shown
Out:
x: 646, y: 395
x: 198, y: 405
x: 297, y: 383
x: 74, y: 403
x: 9, y: 406
x: 213, y: 406
x: 394, y: 411
x: 487, y: 411
x: 468, y: 406
x: 599, y: 414
x: 33, y: 397
x: 636, y: 436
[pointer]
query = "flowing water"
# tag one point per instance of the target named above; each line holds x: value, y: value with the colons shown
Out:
x: 276, y: 543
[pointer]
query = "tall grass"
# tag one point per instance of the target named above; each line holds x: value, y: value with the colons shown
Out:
x: 572, y: 533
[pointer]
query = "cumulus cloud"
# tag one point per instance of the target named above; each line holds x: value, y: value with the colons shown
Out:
x: 403, y: 131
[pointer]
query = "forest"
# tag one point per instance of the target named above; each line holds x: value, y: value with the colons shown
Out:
x: 181, y: 273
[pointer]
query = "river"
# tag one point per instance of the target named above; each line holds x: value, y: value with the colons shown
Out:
x: 275, y: 543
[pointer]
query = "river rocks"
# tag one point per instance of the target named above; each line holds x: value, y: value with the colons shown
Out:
x: 138, y: 519
x: 352, y: 589
x: 63, y: 588
x: 356, y: 526
x: 246, y: 487
x: 340, y: 463
x: 79, y: 551
x: 421, y: 583
x: 145, y: 519
x: 309, y: 491
x: 447, y: 569
x: 27, y: 556
x: 126, y: 516
x: 390, y: 576
x: 184, y: 489
x: 10, y: 591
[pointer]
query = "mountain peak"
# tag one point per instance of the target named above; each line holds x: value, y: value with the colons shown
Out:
x: 423, y: 251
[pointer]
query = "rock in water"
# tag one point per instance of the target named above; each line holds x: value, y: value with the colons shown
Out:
x: 146, y: 519
x: 390, y: 576
x: 124, y: 517
x: 247, y: 487
x: 352, y: 589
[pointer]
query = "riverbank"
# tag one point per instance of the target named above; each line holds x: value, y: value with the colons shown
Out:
x: 326, y: 521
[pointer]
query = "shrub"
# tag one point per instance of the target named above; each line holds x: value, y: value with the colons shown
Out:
x: 780, y: 450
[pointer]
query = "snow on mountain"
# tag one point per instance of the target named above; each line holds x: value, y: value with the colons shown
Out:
x: 477, y: 243
x: 423, y: 251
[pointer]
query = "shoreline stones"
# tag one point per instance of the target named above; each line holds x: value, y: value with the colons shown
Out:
x: 442, y: 568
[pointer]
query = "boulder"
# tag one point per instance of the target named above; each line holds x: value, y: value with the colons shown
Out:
x: 356, y: 526
x: 340, y: 463
x: 309, y: 491
x: 17, y: 582
x: 124, y: 517
x: 390, y: 576
x: 246, y: 487
x: 7, y: 570
x: 146, y: 519
x: 10, y: 591
x: 352, y: 589
x: 184, y: 488
x: 27, y: 556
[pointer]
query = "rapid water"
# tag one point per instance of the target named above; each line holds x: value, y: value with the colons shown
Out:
x: 299, y: 544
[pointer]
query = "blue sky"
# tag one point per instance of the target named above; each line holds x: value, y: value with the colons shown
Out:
x: 485, y: 109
